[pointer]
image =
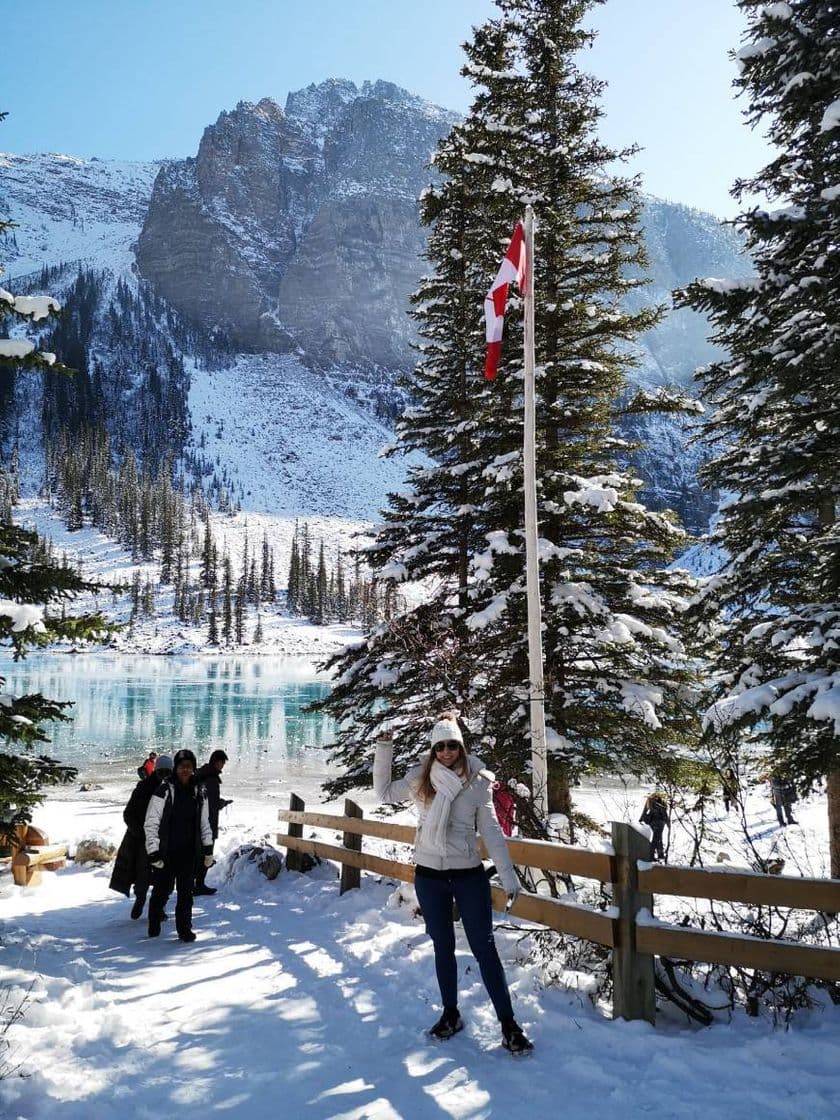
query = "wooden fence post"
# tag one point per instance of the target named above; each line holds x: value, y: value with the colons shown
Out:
x: 293, y: 858
x: 351, y: 876
x: 634, y: 994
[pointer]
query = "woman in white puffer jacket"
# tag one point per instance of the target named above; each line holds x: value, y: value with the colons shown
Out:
x: 454, y: 800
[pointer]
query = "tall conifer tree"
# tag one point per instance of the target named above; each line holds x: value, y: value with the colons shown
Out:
x: 777, y: 416
x: 614, y: 656
x: 34, y: 591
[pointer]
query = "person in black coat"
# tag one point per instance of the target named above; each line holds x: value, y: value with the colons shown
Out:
x: 211, y: 776
x: 782, y: 796
x: 655, y: 815
x: 131, y: 866
x: 178, y: 834
x: 731, y: 788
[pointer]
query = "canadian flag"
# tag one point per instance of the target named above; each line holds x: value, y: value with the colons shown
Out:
x: 512, y: 269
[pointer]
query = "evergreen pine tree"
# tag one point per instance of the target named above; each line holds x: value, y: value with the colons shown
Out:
x: 239, y: 610
x: 776, y: 424
x: 265, y: 571
x: 272, y: 587
x: 321, y: 588
x: 615, y: 668
x: 227, y: 605
x: 253, y: 583
x: 212, y: 622
x: 148, y: 598
x: 30, y: 584
x: 135, y: 593
x: 165, y: 504
x: 293, y: 595
x: 340, y: 590
x: 207, y: 558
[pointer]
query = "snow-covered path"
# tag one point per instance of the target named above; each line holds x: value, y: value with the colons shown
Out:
x: 298, y: 1003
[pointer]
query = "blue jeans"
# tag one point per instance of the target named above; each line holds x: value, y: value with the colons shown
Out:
x: 472, y: 893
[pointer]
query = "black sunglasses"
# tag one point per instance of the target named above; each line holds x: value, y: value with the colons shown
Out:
x: 446, y: 745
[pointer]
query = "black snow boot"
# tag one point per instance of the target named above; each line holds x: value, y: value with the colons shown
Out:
x: 154, y: 925
x: 448, y: 1024
x: 513, y: 1039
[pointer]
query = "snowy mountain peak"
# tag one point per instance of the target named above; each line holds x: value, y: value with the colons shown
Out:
x: 316, y: 108
x: 70, y: 209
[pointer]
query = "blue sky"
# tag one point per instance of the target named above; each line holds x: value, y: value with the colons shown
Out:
x: 140, y: 79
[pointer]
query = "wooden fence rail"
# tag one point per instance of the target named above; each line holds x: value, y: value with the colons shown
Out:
x: 628, y: 928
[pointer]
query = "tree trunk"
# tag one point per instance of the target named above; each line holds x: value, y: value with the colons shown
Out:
x: 833, y: 791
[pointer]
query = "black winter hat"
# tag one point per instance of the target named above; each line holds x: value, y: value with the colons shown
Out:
x: 184, y: 755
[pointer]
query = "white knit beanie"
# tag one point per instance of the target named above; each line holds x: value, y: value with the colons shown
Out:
x: 447, y: 730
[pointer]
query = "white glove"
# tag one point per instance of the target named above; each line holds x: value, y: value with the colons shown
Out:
x: 158, y: 864
x: 208, y: 861
x: 512, y: 886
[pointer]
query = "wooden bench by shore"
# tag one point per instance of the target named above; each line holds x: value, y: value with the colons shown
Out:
x: 32, y: 853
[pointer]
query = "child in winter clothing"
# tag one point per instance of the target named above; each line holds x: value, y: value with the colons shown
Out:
x: 454, y: 801
x: 178, y: 833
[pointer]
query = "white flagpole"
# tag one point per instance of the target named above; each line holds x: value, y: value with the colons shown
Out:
x: 536, y: 690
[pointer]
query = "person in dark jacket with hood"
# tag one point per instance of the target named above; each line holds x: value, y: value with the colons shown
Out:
x: 655, y: 815
x: 131, y: 866
x: 178, y: 833
x: 210, y: 775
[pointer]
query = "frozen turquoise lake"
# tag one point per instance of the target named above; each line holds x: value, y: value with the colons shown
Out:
x: 125, y: 706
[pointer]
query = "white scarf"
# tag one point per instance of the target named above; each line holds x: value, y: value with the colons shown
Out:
x: 447, y: 785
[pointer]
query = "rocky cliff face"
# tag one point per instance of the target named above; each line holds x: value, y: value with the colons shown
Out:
x: 269, y: 230
x: 296, y: 229
x: 266, y: 233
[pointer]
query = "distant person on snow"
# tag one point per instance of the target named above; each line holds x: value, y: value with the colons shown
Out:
x: 147, y: 767
x: 655, y: 816
x: 782, y: 797
x: 178, y: 833
x: 131, y: 866
x: 730, y: 787
x: 210, y: 775
x: 454, y: 802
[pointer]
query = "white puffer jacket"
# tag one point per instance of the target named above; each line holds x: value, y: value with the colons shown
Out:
x: 156, y: 824
x: 471, y: 815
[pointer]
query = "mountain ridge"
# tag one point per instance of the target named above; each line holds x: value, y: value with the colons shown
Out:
x: 279, y: 213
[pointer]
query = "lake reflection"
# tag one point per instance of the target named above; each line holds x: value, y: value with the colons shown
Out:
x: 125, y: 706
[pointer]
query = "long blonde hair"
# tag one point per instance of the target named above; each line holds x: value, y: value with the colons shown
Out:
x: 425, y: 789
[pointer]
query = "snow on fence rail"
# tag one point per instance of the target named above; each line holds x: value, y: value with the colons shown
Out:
x: 628, y: 928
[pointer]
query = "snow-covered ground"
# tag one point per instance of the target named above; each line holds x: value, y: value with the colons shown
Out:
x: 294, y: 444
x: 72, y: 210
x: 295, y: 1002
x: 105, y: 560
